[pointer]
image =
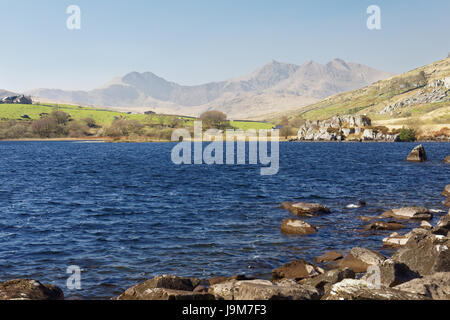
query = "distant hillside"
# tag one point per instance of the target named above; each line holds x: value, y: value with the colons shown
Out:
x: 272, y: 88
x: 4, y: 93
x: 419, y: 98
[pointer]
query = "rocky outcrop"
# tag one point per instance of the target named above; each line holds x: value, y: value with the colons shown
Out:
x: 408, y: 213
x: 435, y: 286
x: 297, y: 270
x: 298, y: 227
x: 351, y: 289
x: 27, y: 289
x: 340, y: 128
x: 359, y: 259
x: 20, y: 99
x: 443, y: 226
x: 417, y: 154
x: 425, y: 253
x: 305, y: 209
x: 381, y: 225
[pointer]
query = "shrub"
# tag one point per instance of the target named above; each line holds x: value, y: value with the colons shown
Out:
x: 407, y: 135
x: 44, y: 127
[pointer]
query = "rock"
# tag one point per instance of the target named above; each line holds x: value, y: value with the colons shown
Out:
x: 447, y: 202
x: 351, y: 289
x: 307, y: 209
x: 435, y: 286
x: 426, y: 225
x: 286, y: 205
x: 380, y: 225
x: 443, y: 226
x: 329, y: 257
x: 298, y: 269
x: 228, y: 290
x: 393, y: 273
x: 324, y: 281
x: 249, y: 290
x: 359, y: 259
x: 366, y: 219
x: 175, y: 287
x: 217, y: 280
x: 446, y: 159
x: 412, y: 213
x: 135, y: 293
x: 417, y: 154
x: 295, y: 226
x: 396, y: 240
x: 200, y: 288
x: 27, y: 289
x: 425, y: 253
x: 446, y: 192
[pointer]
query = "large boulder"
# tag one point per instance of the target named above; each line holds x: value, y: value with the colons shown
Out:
x: 359, y: 259
x: 435, y: 286
x: 351, y: 289
x: 250, y: 290
x: 175, y: 288
x: 417, y: 154
x: 307, y: 209
x: 295, y: 226
x: 298, y: 269
x: 425, y: 253
x: 392, y: 273
x: 27, y: 289
x: 381, y: 225
x: 408, y: 213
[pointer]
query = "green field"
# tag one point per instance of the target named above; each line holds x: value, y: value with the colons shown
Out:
x: 105, y: 117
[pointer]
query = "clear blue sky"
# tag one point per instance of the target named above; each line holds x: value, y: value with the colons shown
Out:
x: 197, y: 41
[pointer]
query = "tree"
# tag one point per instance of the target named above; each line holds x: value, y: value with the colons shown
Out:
x: 214, y: 119
x: 61, y: 117
x: 407, y: 135
x: 44, y: 127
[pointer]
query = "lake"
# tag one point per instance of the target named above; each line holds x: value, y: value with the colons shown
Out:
x: 124, y: 213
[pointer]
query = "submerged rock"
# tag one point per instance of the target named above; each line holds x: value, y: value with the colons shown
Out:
x: 446, y: 159
x: 307, y: 209
x: 380, y: 225
x: 417, y: 154
x: 359, y: 259
x: 351, y: 289
x: 27, y: 289
x: 409, y: 213
x: 296, y: 226
x: 297, y: 270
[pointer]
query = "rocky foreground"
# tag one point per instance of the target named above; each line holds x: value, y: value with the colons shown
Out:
x: 418, y: 270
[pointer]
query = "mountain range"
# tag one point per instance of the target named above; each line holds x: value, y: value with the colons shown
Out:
x: 275, y: 87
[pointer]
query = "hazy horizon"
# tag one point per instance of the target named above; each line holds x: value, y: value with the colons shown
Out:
x: 198, y: 42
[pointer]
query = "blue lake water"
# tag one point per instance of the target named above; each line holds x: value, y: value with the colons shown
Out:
x: 124, y: 212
